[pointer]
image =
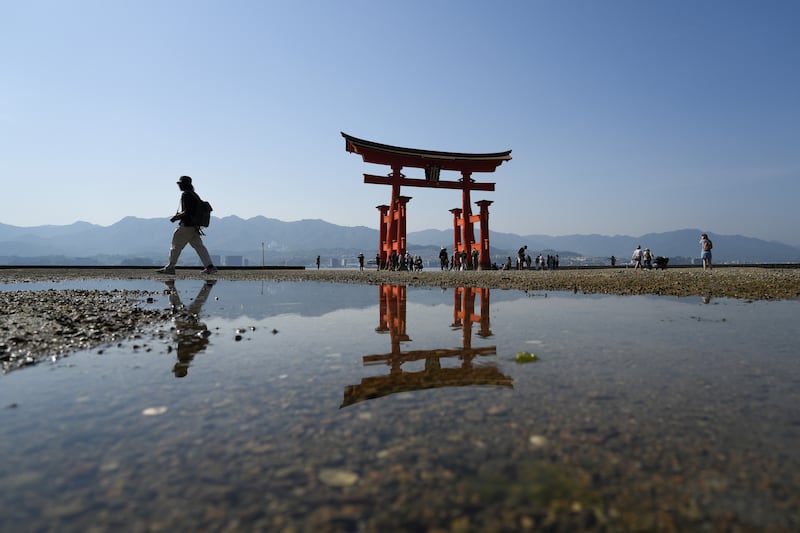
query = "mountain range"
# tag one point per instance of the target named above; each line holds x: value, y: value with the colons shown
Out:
x: 146, y: 241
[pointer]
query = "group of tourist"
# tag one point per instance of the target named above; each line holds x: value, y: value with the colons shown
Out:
x: 459, y: 261
x: 400, y: 262
x: 642, y: 259
x: 524, y: 261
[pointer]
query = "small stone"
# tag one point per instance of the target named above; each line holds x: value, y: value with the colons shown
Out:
x: 337, y: 478
x: 538, y: 441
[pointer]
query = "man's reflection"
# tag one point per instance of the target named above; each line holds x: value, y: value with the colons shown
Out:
x: 191, y: 333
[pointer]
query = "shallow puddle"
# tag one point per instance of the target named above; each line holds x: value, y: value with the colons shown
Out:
x: 326, y: 407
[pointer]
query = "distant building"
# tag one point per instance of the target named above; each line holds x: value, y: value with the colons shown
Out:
x: 234, y: 260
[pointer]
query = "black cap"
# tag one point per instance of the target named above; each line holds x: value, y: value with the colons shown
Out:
x: 184, y: 179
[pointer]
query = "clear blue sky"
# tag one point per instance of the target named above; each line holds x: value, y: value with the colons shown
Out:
x: 624, y: 117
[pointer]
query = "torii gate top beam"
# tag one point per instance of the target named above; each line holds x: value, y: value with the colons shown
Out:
x: 396, y: 156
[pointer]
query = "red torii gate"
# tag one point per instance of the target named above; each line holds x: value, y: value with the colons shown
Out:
x: 393, y: 216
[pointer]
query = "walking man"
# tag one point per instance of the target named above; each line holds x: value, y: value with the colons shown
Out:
x: 188, y: 230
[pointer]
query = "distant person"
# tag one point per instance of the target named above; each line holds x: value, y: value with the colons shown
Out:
x: 443, y: 258
x: 188, y: 230
x: 378, y: 261
x: 705, y: 251
x: 475, y: 256
x: 636, y: 258
x: 647, y: 259
x: 521, y: 257
x: 361, y: 261
x: 317, y: 262
x: 613, y: 261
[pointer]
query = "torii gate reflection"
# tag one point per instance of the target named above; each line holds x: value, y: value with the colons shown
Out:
x: 392, y: 320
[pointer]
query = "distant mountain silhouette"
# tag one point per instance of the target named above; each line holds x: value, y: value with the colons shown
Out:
x: 147, y: 241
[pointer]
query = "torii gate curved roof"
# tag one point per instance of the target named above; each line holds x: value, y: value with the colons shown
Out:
x: 384, y: 154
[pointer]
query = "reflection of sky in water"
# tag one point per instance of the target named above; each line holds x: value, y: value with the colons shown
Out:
x: 724, y: 373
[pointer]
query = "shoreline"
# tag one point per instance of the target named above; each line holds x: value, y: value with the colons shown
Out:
x: 747, y: 282
x: 50, y: 323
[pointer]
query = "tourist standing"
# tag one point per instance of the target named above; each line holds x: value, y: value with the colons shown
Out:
x: 647, y: 257
x: 705, y: 251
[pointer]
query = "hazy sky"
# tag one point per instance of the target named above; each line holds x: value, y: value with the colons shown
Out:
x: 623, y: 117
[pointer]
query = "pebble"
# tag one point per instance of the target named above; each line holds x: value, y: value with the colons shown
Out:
x: 337, y: 478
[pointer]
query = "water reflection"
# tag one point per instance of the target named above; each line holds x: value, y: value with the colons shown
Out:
x: 392, y: 320
x: 192, y: 334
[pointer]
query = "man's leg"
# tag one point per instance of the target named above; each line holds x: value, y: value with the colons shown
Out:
x: 197, y: 243
x: 179, y: 240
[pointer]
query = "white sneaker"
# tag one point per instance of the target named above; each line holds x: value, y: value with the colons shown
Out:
x: 166, y: 270
x: 210, y: 269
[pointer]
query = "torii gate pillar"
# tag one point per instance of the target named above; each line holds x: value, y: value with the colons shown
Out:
x: 456, y: 236
x: 392, y: 229
x: 464, y: 237
x: 483, y: 246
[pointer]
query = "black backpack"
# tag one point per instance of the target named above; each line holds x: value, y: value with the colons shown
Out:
x: 202, y: 214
